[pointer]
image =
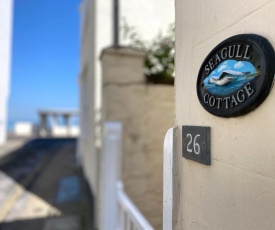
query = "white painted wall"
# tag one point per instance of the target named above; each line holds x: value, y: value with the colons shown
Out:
x: 149, y: 17
x: 23, y: 128
x: 5, y: 58
x: 237, y: 190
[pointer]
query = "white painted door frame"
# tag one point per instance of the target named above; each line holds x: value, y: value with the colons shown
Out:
x: 168, y: 179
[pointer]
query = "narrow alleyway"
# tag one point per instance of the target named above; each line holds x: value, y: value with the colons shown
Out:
x: 42, y: 188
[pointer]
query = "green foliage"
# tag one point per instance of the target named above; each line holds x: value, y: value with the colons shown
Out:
x: 159, y: 61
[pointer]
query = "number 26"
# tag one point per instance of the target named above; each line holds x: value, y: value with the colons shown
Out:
x: 196, y: 145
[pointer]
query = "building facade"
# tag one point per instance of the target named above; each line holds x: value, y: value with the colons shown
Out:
x: 237, y: 190
x: 96, y: 34
x: 6, y: 16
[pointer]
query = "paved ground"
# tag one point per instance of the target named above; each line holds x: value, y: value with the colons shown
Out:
x: 42, y: 188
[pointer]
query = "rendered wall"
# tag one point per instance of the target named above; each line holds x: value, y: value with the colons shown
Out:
x: 6, y: 7
x: 237, y: 190
x: 87, y: 151
x: 146, y: 112
x: 97, y: 34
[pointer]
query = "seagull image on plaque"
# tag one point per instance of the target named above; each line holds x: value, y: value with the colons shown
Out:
x: 229, y: 76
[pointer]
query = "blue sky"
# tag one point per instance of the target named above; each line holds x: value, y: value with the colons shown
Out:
x: 45, y: 57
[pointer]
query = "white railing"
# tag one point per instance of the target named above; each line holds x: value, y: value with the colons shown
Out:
x: 118, y: 211
x: 130, y: 216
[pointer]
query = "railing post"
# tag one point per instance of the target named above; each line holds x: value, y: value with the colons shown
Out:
x: 111, y: 174
x: 168, y: 179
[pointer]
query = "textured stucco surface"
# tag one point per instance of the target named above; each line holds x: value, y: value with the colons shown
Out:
x: 237, y: 190
x: 147, y: 112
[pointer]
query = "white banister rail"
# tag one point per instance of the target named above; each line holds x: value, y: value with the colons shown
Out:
x: 118, y: 211
x: 110, y: 174
x: 130, y: 216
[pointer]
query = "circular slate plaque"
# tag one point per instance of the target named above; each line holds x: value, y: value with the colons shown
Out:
x: 237, y: 75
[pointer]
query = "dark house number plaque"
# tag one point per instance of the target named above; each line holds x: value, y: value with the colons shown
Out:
x: 196, y: 144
